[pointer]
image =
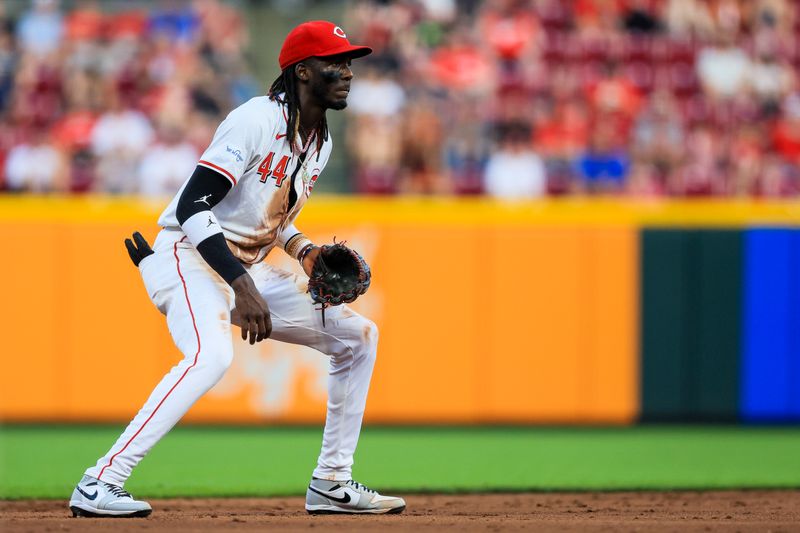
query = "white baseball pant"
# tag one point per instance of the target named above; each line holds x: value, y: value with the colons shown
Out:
x: 197, y: 303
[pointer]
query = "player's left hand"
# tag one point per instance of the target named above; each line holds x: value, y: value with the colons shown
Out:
x: 310, y: 259
x: 138, y: 251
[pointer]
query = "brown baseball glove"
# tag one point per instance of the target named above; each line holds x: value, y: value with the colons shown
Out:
x: 340, y: 275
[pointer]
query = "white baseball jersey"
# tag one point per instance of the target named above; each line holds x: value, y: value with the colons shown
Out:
x: 252, y: 150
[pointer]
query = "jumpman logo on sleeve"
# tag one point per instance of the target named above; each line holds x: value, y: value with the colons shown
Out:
x: 204, y: 199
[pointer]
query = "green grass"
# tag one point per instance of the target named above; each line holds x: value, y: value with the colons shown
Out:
x: 45, y: 462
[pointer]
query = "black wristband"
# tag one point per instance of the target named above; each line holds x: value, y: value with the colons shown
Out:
x: 216, y: 253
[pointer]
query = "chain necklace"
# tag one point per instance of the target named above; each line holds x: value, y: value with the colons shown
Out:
x: 307, y: 144
x: 304, y: 175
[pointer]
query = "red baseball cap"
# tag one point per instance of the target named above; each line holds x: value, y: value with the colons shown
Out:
x: 317, y: 38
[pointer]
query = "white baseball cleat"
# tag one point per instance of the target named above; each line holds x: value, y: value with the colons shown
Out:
x: 331, y: 497
x: 95, y: 498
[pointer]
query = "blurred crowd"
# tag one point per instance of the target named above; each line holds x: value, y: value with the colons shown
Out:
x: 115, y: 98
x: 510, y: 98
x: 524, y: 98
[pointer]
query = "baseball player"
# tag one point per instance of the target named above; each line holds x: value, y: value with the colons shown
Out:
x: 206, y: 267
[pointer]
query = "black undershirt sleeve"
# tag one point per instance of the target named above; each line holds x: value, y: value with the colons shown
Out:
x: 205, y: 189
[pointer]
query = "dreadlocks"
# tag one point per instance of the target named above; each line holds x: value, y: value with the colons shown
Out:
x: 285, y: 91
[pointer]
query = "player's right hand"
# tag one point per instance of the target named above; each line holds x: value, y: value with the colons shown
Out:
x: 251, y: 309
x: 138, y: 251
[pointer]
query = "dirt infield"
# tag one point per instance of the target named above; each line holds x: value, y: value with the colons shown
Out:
x: 774, y: 511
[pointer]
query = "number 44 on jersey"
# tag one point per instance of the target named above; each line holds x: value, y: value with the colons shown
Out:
x: 279, y: 172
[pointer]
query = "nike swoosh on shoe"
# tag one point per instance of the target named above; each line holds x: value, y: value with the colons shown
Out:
x: 87, y: 495
x: 345, y: 499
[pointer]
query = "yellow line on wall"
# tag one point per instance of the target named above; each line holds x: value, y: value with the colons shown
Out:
x: 459, y: 211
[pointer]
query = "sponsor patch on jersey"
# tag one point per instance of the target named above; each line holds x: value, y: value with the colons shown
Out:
x: 236, y: 152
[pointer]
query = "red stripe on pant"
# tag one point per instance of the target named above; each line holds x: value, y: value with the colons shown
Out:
x: 196, y: 355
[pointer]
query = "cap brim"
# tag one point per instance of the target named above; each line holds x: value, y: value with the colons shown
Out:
x: 349, y: 50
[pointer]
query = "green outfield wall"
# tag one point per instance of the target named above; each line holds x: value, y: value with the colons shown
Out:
x: 690, y: 323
